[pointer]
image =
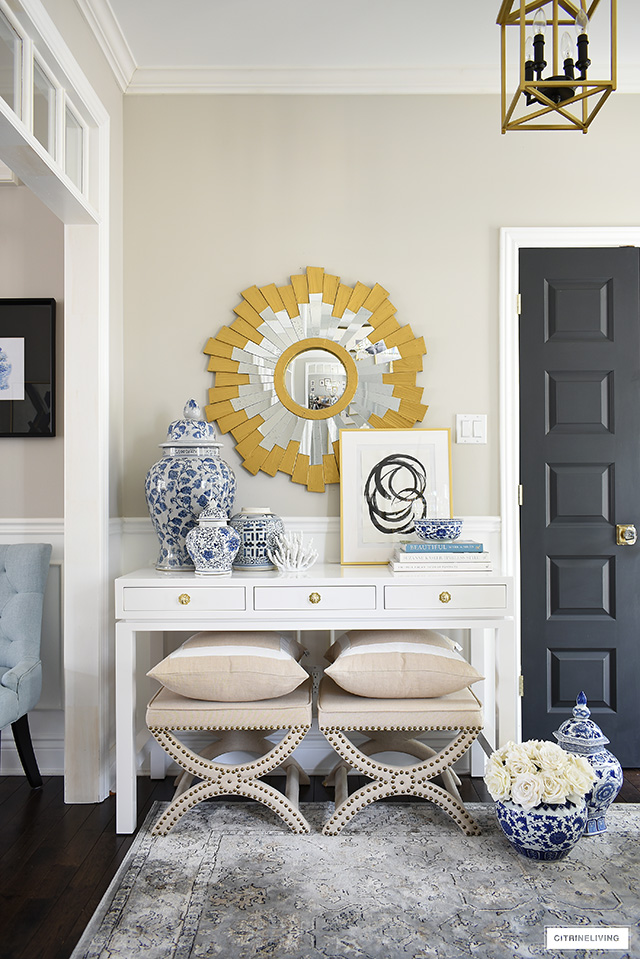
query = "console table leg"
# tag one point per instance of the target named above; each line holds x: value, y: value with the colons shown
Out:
x: 126, y: 799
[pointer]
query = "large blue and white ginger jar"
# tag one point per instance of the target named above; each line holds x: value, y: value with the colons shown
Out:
x: 547, y: 832
x: 212, y: 544
x: 186, y: 479
x: 5, y: 370
x: 580, y: 735
x: 259, y: 530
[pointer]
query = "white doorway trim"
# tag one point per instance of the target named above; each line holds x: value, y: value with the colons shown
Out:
x: 512, y: 240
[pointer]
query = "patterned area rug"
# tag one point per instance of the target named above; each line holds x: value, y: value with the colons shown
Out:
x: 401, y: 880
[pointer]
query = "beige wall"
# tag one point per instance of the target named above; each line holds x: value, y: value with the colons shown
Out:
x: 410, y: 192
x: 32, y: 265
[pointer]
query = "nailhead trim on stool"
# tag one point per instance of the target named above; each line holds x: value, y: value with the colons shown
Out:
x: 388, y: 780
x: 233, y: 779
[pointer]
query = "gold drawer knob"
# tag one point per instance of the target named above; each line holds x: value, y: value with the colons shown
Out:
x: 445, y: 597
x: 184, y: 599
x: 314, y: 598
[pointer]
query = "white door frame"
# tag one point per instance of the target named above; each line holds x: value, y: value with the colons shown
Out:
x: 512, y: 240
x: 86, y: 580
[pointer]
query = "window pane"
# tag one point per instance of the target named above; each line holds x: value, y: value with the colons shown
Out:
x: 44, y: 110
x: 10, y: 65
x: 74, y: 147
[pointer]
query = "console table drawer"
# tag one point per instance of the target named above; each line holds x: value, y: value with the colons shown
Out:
x: 312, y: 597
x: 446, y: 597
x: 174, y: 599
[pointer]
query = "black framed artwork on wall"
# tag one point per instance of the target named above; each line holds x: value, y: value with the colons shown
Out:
x: 27, y: 367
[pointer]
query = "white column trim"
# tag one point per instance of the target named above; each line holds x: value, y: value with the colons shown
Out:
x: 512, y: 240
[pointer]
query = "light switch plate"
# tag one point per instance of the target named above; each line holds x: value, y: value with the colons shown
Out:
x: 471, y: 427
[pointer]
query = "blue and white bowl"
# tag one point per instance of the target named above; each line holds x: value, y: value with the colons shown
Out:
x: 436, y: 529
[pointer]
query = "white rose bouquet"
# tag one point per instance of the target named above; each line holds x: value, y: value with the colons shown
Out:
x: 537, y: 772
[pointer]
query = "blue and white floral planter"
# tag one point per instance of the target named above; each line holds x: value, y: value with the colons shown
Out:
x: 259, y: 530
x: 212, y: 544
x: 189, y: 476
x: 547, y: 832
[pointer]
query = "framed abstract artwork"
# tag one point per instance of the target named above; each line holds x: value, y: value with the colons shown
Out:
x: 27, y: 367
x: 388, y: 478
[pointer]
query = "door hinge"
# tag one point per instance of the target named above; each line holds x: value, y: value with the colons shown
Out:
x: 520, y: 495
x: 519, y: 304
x: 520, y: 685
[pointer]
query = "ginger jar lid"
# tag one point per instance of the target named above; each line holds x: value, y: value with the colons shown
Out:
x: 581, y: 734
x: 192, y: 429
x: 213, y: 515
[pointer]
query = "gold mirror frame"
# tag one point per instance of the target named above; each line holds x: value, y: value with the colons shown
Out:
x: 273, y: 326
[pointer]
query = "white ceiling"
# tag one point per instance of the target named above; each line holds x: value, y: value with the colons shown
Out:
x: 339, y: 46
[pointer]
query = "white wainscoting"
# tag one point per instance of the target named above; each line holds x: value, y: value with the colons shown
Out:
x: 133, y: 544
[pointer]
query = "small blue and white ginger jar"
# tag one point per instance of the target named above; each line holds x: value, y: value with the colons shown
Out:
x: 189, y: 476
x: 5, y: 370
x: 212, y: 544
x: 581, y: 736
x: 259, y: 530
x: 547, y: 832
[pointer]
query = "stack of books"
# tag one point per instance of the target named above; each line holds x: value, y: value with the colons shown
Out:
x: 440, y: 556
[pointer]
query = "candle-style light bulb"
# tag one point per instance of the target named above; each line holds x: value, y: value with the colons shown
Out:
x: 582, y: 22
x: 540, y: 23
x: 528, y: 48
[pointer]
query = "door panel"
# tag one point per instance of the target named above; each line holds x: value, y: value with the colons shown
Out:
x: 580, y: 471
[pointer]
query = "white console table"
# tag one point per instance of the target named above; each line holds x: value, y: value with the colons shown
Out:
x: 330, y: 597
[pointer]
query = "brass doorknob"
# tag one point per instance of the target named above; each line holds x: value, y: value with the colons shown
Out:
x: 184, y: 599
x: 626, y: 534
x: 314, y: 598
x: 444, y: 597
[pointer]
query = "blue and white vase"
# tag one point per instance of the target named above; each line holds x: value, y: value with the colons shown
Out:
x: 189, y: 476
x: 259, y: 530
x: 581, y: 736
x: 212, y: 544
x: 5, y: 370
x: 547, y: 832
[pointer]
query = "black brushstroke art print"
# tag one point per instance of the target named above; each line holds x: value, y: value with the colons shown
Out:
x: 395, y: 493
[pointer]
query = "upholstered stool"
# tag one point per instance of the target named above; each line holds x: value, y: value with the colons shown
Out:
x: 238, y: 727
x: 391, y: 725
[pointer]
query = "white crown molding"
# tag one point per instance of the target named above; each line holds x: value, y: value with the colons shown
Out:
x: 313, y: 80
x: 107, y: 31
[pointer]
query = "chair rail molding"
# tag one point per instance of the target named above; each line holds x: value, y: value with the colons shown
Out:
x: 512, y: 240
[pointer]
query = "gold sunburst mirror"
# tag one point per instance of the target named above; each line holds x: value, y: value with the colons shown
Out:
x: 301, y: 362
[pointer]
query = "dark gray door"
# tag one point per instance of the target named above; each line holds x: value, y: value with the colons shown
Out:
x: 580, y: 472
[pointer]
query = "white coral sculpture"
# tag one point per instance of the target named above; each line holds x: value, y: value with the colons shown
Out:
x: 290, y: 553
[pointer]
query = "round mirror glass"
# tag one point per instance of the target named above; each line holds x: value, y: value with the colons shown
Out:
x: 315, y: 379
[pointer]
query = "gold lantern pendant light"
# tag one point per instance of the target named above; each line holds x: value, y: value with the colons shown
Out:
x: 555, y: 34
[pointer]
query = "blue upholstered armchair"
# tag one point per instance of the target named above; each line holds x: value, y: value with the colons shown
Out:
x: 23, y: 577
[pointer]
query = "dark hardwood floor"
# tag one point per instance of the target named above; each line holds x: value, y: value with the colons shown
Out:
x: 56, y: 860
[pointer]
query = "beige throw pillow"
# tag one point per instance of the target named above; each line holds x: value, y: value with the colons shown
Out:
x: 233, y: 667
x: 398, y: 664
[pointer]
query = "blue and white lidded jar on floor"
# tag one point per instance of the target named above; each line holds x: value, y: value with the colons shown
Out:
x: 581, y: 736
x: 212, y: 544
x: 259, y: 530
x: 189, y: 476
